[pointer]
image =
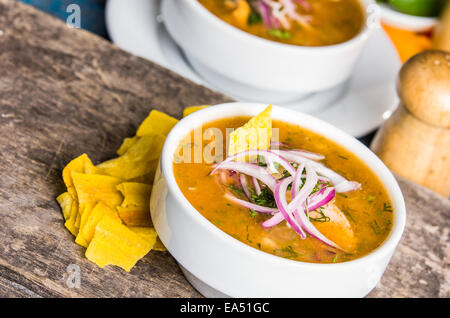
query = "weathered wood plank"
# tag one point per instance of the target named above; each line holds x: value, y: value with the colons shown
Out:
x: 420, y: 266
x: 64, y: 92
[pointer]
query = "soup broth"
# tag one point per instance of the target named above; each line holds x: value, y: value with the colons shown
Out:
x: 323, y: 22
x: 367, y: 212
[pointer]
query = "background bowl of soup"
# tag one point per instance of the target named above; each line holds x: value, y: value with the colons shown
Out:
x: 218, y: 264
x: 241, y: 62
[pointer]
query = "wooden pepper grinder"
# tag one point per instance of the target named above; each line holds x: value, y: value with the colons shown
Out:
x: 415, y: 141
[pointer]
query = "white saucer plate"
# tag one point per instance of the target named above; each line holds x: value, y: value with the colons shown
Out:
x: 368, y: 99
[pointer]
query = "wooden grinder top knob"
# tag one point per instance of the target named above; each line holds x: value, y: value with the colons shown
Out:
x: 424, y: 87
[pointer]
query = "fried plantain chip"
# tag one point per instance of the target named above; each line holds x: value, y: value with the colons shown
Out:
x: 94, y: 216
x: 159, y: 246
x: 140, y: 160
x: 92, y: 188
x: 192, y: 109
x: 70, y: 222
x: 255, y: 134
x: 149, y: 234
x: 156, y: 122
x: 65, y: 201
x: 135, y: 194
x: 127, y: 144
x: 135, y: 208
x: 147, y: 178
x: 80, y: 164
x: 115, y: 244
x: 135, y: 216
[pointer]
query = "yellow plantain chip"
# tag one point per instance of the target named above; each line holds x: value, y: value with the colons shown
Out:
x: 135, y: 216
x: 84, y: 213
x: 140, y: 160
x: 115, y: 244
x: 94, y: 216
x: 255, y: 134
x: 192, y: 109
x: 127, y: 144
x: 135, y: 194
x: 135, y: 208
x: 70, y: 222
x: 65, y: 201
x: 80, y: 164
x: 148, y: 177
x: 93, y: 188
x: 156, y: 122
x: 159, y: 246
x: 147, y: 233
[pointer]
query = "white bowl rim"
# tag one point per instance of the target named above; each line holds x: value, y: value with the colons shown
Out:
x: 406, y: 21
x: 172, y: 140
x: 361, y: 36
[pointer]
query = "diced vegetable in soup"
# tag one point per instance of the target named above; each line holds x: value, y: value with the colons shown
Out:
x: 341, y: 210
x: 297, y: 22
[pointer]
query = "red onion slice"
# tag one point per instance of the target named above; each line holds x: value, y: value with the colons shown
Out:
x: 347, y: 186
x: 290, y: 9
x: 307, y: 154
x: 249, y: 169
x: 249, y: 205
x: 306, y: 224
x: 264, y: 10
x: 305, y: 4
x: 280, y: 199
x: 305, y: 191
x: 277, y: 145
x: 315, y: 201
x: 297, y: 181
x: 335, y: 178
x: 274, y: 220
x: 243, y: 181
x: 269, y: 156
x: 277, y: 13
x: 320, y: 198
x: 256, y: 185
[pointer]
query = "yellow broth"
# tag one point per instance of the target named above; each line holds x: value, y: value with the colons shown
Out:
x: 368, y: 210
x: 332, y: 22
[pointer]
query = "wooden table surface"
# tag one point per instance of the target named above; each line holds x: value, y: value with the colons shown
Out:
x: 64, y: 92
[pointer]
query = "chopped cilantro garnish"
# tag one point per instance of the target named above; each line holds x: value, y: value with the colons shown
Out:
x: 237, y: 191
x: 347, y: 214
x: 322, y: 218
x: 265, y: 198
x: 283, y: 35
x: 287, y: 252
x: 254, y: 18
x: 261, y: 161
x: 375, y: 227
x: 387, y: 207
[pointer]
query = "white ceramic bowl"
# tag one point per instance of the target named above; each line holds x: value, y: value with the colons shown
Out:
x: 240, y: 62
x: 406, y: 21
x: 219, y: 265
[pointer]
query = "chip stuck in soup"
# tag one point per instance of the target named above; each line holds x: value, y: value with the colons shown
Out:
x: 296, y: 22
x: 300, y: 196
